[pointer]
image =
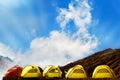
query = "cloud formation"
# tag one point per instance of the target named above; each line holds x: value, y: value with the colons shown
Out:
x: 78, y: 11
x: 60, y: 47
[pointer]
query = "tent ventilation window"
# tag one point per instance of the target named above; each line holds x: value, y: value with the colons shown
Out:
x: 78, y: 71
x: 33, y: 71
x: 103, y: 71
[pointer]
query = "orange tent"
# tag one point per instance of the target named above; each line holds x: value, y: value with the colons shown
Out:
x: 13, y: 73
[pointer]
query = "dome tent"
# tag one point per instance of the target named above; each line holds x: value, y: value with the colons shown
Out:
x: 31, y: 72
x: 52, y: 71
x: 14, y: 73
x: 76, y: 72
x: 103, y: 71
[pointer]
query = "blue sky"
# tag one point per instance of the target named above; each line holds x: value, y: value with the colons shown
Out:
x: 16, y: 21
x: 35, y: 24
x: 108, y: 14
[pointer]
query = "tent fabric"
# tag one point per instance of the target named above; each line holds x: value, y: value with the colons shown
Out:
x: 103, y: 71
x: 32, y: 71
x: 76, y: 72
x: 52, y: 71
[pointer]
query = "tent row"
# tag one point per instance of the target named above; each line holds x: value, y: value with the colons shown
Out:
x: 53, y: 71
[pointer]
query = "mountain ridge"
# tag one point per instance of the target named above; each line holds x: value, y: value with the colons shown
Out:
x: 4, y: 61
x: 110, y: 57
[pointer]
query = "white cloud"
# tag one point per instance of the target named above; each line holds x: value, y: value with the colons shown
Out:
x: 61, y: 47
x: 79, y: 12
x: 6, y: 51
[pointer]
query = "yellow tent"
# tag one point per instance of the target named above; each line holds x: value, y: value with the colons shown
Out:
x: 52, y: 72
x: 31, y: 71
x: 103, y: 71
x: 76, y: 72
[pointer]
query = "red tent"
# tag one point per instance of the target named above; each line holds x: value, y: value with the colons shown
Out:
x: 13, y: 73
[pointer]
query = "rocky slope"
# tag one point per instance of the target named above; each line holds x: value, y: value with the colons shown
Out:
x: 110, y: 57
